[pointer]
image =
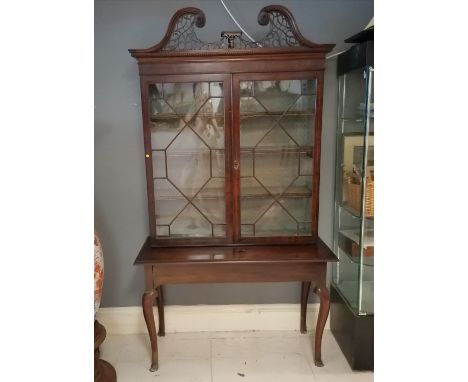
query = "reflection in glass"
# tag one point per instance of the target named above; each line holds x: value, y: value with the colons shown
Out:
x: 169, y: 201
x: 187, y: 137
x: 276, y: 137
x: 276, y: 222
x: 159, y: 164
x: 191, y: 223
x: 210, y: 201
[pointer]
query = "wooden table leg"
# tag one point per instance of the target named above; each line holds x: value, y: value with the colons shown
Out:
x: 148, y: 302
x: 305, y: 289
x: 160, y: 300
x: 324, y: 296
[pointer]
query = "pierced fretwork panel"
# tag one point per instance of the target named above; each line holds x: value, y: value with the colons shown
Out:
x: 277, y: 138
x: 187, y: 137
x: 282, y: 33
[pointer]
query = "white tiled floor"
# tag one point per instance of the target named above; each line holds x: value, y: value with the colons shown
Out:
x: 229, y: 356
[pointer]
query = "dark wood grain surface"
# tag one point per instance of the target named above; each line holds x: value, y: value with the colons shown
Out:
x: 234, y: 258
x: 302, y: 253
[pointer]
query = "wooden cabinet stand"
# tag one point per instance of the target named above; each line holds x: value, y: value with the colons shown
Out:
x: 232, y: 133
x: 281, y: 263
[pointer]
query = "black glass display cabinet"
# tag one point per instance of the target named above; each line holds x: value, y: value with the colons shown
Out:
x: 352, y: 288
x: 232, y: 146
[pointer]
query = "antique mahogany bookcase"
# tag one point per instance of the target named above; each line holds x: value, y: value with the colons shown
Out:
x: 232, y: 147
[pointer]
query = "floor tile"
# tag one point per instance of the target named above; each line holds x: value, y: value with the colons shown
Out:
x: 230, y: 356
x: 137, y: 347
x: 263, y: 368
x: 126, y: 348
x: 171, y: 370
x: 256, y: 346
x: 173, y: 347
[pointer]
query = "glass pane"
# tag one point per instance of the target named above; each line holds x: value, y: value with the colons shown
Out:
x: 298, y: 207
x: 276, y: 170
x: 208, y: 124
x: 216, y: 89
x: 191, y: 223
x: 255, y: 200
x: 246, y: 163
x: 367, y: 268
x: 276, y: 138
x: 276, y: 222
x: 187, y: 136
x: 309, y: 86
x: 188, y: 162
x: 162, y: 230
x: 246, y: 88
x: 217, y: 163
x: 298, y: 122
x: 219, y: 230
x: 305, y: 228
x: 164, y: 129
x: 210, y: 201
x: 354, y: 225
x: 306, y: 163
x: 247, y: 230
x: 169, y: 202
x: 159, y: 164
x: 277, y: 96
x: 351, y: 159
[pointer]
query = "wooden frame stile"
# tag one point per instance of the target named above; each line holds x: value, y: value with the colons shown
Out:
x: 317, y: 154
x: 283, y: 54
x: 235, y: 175
x: 148, y: 157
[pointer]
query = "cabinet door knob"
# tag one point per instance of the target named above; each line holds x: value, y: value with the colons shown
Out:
x: 236, y: 164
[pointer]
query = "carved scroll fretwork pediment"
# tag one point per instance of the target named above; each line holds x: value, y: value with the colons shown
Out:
x: 181, y: 36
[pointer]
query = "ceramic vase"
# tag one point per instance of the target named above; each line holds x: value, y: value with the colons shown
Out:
x: 98, y: 273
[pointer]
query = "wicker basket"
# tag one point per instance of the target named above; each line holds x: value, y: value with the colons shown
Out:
x: 353, y: 196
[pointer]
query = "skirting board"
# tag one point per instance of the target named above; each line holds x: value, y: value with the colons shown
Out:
x: 210, y: 318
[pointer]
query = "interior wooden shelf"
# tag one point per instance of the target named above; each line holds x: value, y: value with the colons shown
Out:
x: 188, y: 116
x: 277, y: 114
x: 250, y: 192
x: 244, y: 151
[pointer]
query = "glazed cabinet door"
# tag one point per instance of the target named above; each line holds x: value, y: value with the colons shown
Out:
x: 276, y: 163
x: 187, y: 121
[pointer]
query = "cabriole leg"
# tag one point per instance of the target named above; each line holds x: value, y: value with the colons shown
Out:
x: 305, y: 288
x: 148, y: 302
x: 160, y: 299
x: 324, y: 296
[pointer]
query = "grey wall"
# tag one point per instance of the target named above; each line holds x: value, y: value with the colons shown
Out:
x: 121, y: 217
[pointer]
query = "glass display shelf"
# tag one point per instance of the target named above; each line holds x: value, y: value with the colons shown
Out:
x: 349, y: 290
x: 348, y: 243
x: 353, y: 212
x: 355, y: 125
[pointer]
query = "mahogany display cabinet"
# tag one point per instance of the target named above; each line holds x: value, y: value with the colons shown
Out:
x: 232, y: 135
